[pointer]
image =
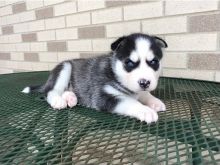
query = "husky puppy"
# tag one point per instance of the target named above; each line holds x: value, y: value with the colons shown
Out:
x: 119, y: 82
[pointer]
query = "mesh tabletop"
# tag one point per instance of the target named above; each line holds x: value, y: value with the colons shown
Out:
x: 33, y: 133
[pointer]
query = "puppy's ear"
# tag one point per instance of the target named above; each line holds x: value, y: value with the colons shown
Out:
x: 160, y: 42
x: 117, y: 43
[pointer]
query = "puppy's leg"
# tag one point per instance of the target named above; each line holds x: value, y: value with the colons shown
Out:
x: 133, y: 108
x: 147, y: 99
x: 70, y: 98
x: 54, y: 96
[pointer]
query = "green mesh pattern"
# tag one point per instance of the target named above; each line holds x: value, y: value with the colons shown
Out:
x: 33, y: 133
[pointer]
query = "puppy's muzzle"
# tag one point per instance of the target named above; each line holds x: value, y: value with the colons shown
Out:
x: 144, y: 84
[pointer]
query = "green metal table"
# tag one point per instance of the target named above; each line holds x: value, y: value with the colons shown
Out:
x: 33, y: 133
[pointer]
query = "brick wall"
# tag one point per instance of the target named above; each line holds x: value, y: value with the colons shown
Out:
x: 37, y: 34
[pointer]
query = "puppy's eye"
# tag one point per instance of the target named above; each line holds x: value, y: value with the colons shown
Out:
x: 154, y: 64
x: 129, y: 63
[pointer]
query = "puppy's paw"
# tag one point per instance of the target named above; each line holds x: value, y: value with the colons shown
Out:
x: 157, y: 105
x: 147, y: 115
x: 70, y: 98
x: 58, y: 103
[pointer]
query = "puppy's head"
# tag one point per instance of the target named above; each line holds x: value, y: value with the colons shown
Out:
x: 137, y: 61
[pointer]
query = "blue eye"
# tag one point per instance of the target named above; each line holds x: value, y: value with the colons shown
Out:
x: 154, y: 64
x: 129, y: 63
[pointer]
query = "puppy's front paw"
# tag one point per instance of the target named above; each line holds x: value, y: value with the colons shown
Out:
x: 58, y: 103
x: 70, y: 98
x: 157, y: 105
x: 147, y: 114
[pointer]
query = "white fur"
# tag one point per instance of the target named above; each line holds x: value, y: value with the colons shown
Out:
x: 133, y: 108
x: 112, y: 91
x: 143, y: 71
x: 55, y: 100
x: 54, y: 96
x: 134, y: 56
x: 26, y: 90
x: 148, y: 99
x: 130, y: 106
x: 70, y: 98
x: 143, y: 49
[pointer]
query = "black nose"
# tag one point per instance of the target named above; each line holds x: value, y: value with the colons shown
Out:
x: 144, y: 83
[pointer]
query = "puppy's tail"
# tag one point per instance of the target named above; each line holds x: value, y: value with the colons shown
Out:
x: 31, y: 89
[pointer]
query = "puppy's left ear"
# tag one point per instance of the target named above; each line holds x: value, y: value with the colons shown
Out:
x: 160, y: 42
x: 117, y: 43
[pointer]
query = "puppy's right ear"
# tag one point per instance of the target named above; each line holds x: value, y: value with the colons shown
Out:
x: 117, y: 43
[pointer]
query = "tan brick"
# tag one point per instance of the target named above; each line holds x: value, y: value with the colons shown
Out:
x: 23, y: 65
x: 29, y: 26
x: 165, y: 25
x: 3, y: 21
x: 102, y: 44
x: 20, y: 70
x: 3, y: 64
x: 44, y: 13
x: 204, y: 61
x: 107, y: 15
x: 10, y: 64
x: 182, y: 7
x: 65, y: 8
x: 38, y: 46
x: 34, y: 4
x: 56, y: 46
x: 120, y: 3
x: 64, y: 34
x: 192, y: 74
x: 30, y: 37
x: 7, y: 47
x: 4, y: 39
x: 143, y: 10
x: 5, y: 56
x: 192, y: 42
x: 17, y: 56
x: 22, y: 47
x: 12, y: 19
x: 31, y: 57
x: 52, y: 2
x: 5, y: 10
x: 7, y: 29
x: 78, y: 19
x: 5, y: 71
x: 217, y: 76
x: 14, y: 38
x: 204, y: 23
x: 91, y: 32
x: 89, y: 55
x: 26, y: 16
x: 48, y: 56
x: 52, y: 65
x: 22, y: 27
x: 174, y: 60
x: 119, y: 29
x: 36, y: 66
x: 86, y: 5
x: 62, y: 56
x: 46, y: 35
x: 55, y: 23
x: 82, y: 45
x: 19, y: 7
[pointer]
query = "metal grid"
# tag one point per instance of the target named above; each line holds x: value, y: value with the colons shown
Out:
x: 32, y: 133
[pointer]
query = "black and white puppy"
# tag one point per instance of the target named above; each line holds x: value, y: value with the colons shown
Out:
x: 119, y: 82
